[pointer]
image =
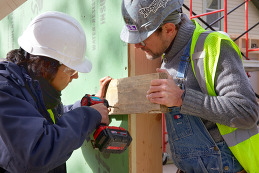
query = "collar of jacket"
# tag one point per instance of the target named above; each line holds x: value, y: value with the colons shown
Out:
x: 182, y: 37
x: 51, y: 96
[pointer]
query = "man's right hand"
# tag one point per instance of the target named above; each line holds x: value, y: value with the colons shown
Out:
x: 165, y: 91
x: 104, y: 111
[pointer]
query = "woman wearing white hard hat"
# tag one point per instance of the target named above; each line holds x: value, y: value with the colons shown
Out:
x: 37, y: 133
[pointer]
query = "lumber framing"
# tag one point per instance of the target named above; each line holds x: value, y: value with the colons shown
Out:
x: 145, y: 152
x: 128, y: 95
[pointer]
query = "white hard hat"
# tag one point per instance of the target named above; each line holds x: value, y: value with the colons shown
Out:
x: 59, y: 36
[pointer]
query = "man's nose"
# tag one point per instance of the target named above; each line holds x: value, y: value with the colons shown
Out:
x: 75, y: 76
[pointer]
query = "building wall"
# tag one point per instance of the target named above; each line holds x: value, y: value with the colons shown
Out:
x: 236, y: 24
x: 197, y: 6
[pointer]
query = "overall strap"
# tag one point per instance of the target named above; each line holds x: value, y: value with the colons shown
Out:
x: 183, y: 65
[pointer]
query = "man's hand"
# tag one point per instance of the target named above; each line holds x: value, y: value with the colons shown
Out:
x: 165, y: 91
x: 103, y: 82
x: 104, y: 111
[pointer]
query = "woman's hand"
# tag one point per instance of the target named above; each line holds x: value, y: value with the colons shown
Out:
x: 103, y: 83
x: 104, y: 111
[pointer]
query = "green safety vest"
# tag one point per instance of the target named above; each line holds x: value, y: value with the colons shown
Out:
x: 51, y: 115
x: 205, y: 51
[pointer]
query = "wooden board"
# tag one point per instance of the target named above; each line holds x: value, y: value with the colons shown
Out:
x: 145, y: 154
x: 128, y: 95
x: 8, y: 6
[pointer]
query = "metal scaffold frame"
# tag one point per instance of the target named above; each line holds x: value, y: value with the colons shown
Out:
x: 194, y: 15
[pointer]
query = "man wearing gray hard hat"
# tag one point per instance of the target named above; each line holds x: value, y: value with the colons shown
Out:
x: 199, y: 95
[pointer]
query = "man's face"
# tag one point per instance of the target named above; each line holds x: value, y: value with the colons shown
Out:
x: 63, y: 77
x: 157, y: 43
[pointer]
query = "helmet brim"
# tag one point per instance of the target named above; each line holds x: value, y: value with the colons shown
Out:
x: 134, y: 37
x: 84, y: 67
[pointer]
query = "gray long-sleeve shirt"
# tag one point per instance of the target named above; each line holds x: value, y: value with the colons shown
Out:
x: 235, y: 104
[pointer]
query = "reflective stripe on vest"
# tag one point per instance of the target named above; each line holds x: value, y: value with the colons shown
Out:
x: 244, y: 143
x: 51, y: 115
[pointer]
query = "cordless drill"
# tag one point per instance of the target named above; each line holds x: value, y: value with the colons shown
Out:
x: 107, y: 139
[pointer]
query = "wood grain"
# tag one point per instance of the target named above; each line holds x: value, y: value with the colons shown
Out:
x: 128, y: 95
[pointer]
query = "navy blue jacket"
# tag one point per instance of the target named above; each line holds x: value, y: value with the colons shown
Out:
x: 28, y: 141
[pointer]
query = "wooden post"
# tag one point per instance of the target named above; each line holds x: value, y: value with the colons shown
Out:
x: 145, y: 154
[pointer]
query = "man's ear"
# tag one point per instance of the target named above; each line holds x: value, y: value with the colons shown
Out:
x: 168, y: 29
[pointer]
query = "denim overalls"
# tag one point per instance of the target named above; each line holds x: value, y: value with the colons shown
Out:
x: 192, y: 147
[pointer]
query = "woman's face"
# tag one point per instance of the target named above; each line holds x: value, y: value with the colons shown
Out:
x: 63, y: 77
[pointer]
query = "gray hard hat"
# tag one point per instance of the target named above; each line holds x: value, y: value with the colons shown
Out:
x: 143, y: 17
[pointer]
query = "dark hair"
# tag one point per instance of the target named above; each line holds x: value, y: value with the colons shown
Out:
x: 177, y: 26
x: 37, y: 66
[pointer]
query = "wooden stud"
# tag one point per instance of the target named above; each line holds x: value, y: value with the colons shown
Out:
x: 145, y: 151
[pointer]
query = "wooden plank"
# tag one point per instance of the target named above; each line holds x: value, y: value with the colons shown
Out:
x: 149, y: 143
x: 8, y: 6
x: 145, y: 151
x: 128, y: 95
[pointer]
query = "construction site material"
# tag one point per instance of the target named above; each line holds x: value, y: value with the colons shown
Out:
x: 128, y: 95
x: 145, y: 151
x: 8, y: 6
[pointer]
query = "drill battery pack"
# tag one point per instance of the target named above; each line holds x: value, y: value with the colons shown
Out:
x: 110, y: 139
